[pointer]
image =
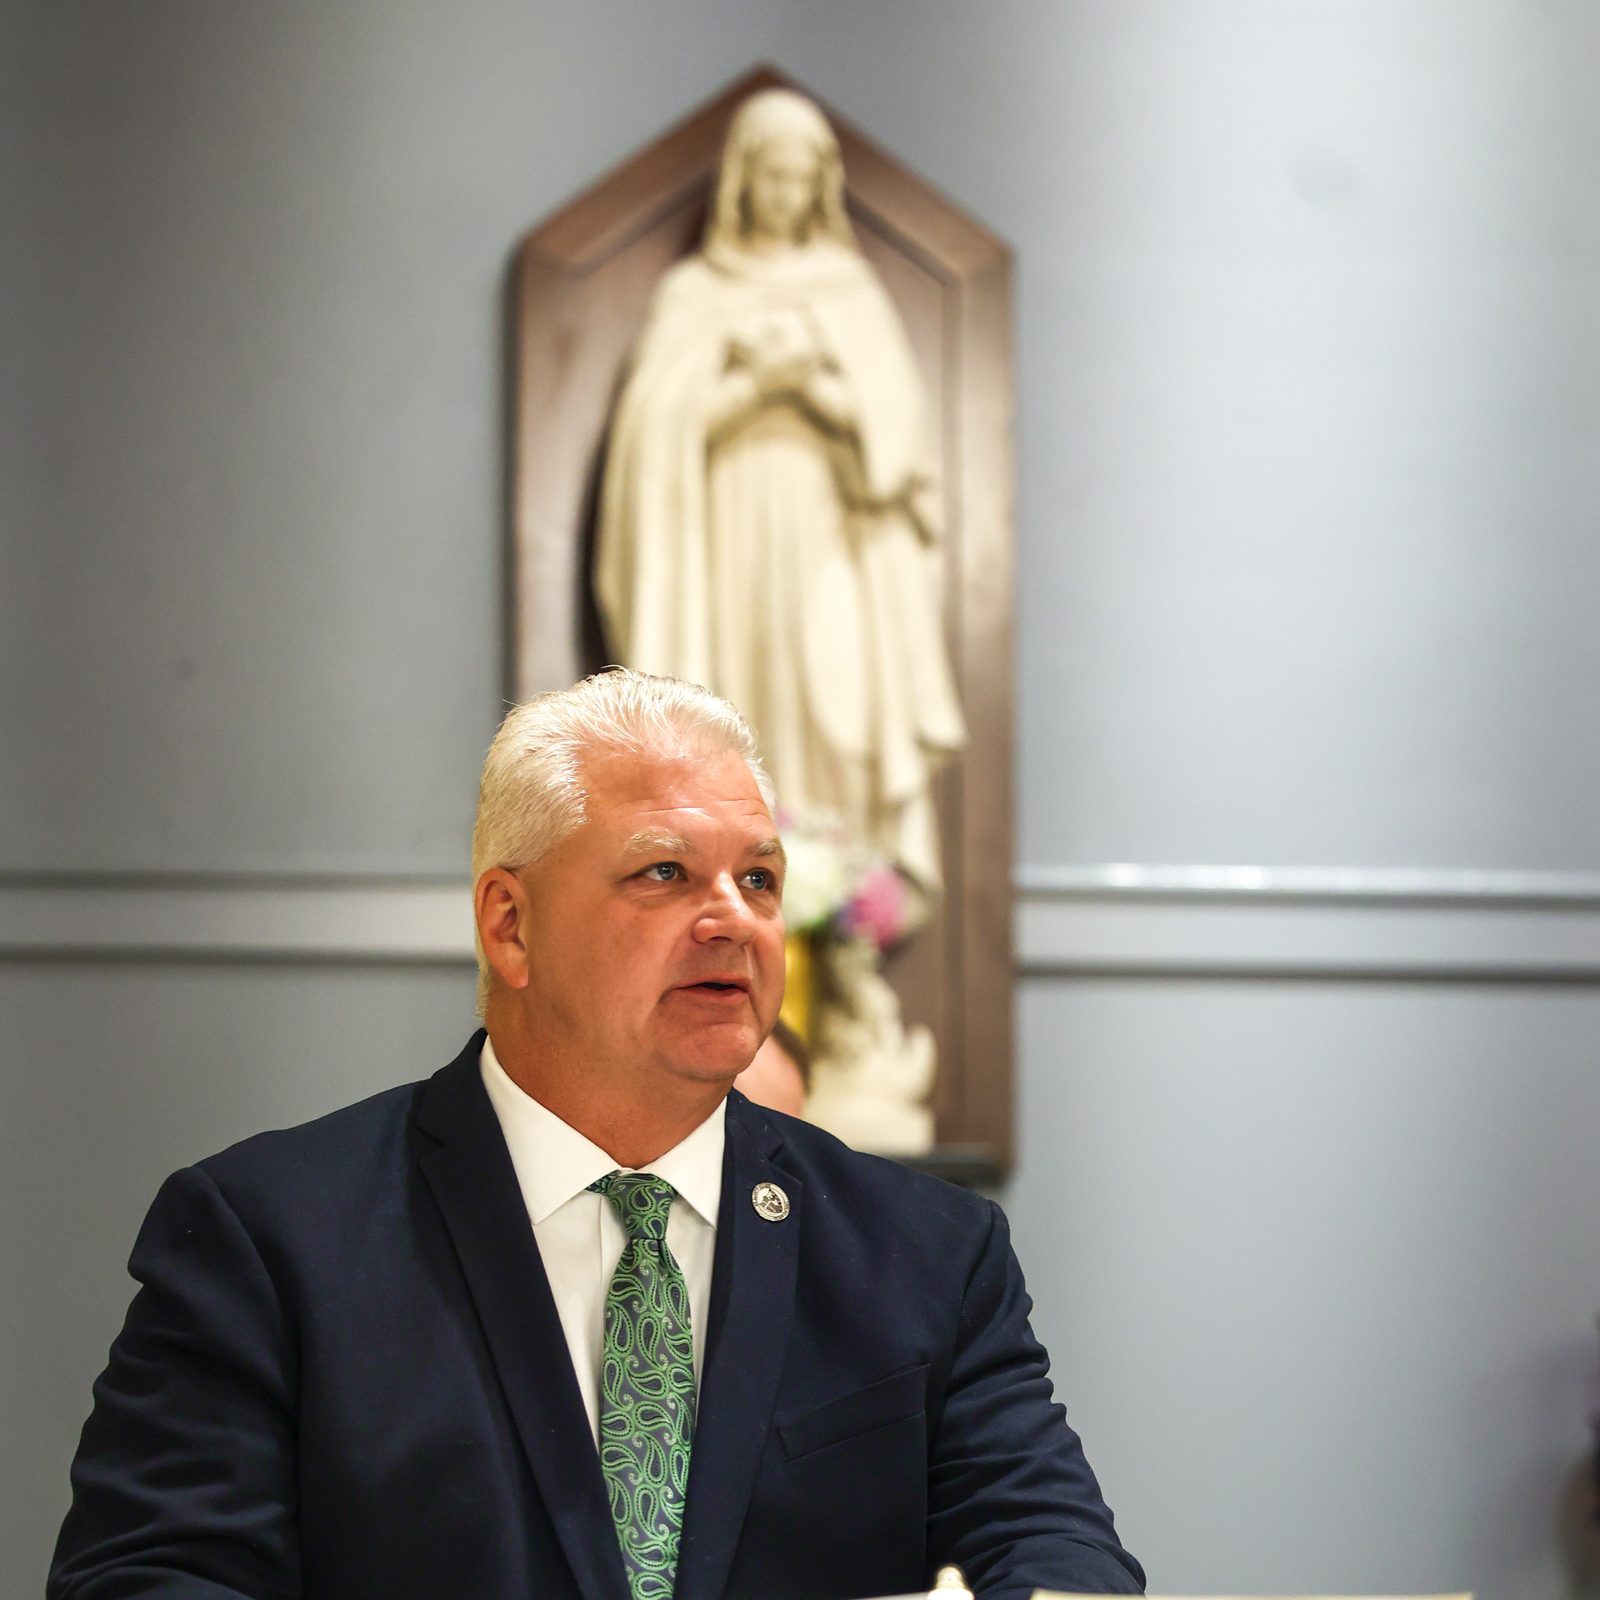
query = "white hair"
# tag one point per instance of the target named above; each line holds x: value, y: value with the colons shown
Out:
x: 532, y: 793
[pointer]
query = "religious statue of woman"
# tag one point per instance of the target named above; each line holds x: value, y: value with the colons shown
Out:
x: 767, y: 522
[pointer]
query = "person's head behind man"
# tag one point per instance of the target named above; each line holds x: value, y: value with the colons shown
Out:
x: 629, y: 884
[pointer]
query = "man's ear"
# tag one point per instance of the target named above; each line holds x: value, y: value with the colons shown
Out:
x: 500, y: 903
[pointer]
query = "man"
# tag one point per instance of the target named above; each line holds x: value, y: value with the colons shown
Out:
x: 570, y: 1318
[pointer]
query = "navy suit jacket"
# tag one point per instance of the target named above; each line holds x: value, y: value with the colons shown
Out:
x: 343, y: 1378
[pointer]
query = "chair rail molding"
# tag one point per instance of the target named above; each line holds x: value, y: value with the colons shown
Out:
x: 1084, y: 920
x: 218, y: 917
x: 1313, y: 922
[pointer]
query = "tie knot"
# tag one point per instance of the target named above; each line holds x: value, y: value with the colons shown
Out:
x: 641, y: 1201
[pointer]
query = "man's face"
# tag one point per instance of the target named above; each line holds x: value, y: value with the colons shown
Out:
x: 655, y: 929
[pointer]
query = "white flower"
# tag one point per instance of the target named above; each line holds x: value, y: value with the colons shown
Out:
x: 818, y: 882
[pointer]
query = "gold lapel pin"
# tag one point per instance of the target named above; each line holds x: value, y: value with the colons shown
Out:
x: 771, y: 1203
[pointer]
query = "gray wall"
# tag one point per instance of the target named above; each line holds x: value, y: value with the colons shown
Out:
x: 1308, y: 342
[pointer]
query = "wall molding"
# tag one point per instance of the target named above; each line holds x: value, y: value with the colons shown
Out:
x: 223, y: 918
x: 1112, y: 919
x: 1400, y: 886
x: 1317, y: 923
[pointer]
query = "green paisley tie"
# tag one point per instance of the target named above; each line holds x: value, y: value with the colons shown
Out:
x: 646, y: 1386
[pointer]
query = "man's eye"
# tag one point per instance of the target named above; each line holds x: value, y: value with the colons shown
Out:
x: 763, y: 879
x: 663, y: 871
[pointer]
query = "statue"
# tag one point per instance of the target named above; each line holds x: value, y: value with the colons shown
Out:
x: 767, y: 522
x: 707, y: 328
x: 870, y: 1075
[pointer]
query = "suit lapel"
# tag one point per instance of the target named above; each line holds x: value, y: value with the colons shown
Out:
x: 752, y: 1305
x: 469, y: 1170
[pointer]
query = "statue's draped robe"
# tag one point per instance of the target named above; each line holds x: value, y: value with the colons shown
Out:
x: 791, y: 570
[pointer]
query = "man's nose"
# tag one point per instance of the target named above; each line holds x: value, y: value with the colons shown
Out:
x: 726, y: 913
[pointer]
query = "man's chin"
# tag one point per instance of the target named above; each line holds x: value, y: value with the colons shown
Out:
x: 722, y: 1071
x: 717, y: 1060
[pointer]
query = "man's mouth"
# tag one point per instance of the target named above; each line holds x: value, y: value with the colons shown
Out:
x: 718, y: 986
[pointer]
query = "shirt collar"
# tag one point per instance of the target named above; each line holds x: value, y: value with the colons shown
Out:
x: 554, y: 1161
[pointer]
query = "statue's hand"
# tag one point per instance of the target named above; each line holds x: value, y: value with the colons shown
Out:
x: 787, y: 376
x: 773, y: 346
x: 764, y: 364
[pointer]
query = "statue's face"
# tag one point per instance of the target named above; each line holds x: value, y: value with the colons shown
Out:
x: 781, y: 188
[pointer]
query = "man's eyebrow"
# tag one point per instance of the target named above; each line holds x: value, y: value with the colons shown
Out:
x: 652, y: 840
x: 657, y: 841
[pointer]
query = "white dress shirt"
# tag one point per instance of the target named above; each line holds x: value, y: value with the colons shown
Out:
x: 579, y: 1237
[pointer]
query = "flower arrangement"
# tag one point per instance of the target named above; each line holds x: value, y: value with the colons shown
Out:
x: 868, y: 1076
x: 837, y: 888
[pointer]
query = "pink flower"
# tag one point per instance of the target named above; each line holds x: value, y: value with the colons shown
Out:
x: 877, y: 910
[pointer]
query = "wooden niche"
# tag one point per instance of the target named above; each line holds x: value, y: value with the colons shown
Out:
x: 582, y: 283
